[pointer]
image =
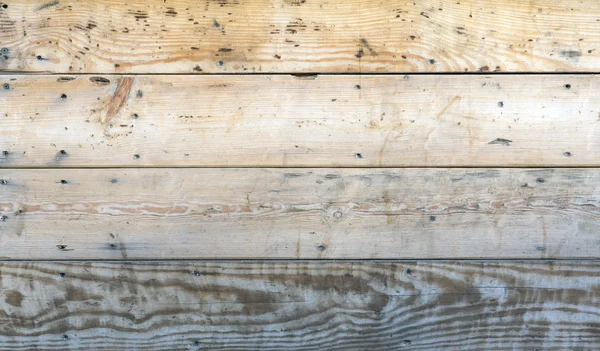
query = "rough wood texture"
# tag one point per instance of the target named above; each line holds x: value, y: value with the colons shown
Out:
x: 299, y: 213
x: 300, y: 36
x: 528, y: 120
x: 300, y: 306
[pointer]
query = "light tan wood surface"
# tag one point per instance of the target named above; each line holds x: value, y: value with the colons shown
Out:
x: 262, y: 36
x: 299, y: 306
x: 107, y: 120
x: 299, y: 213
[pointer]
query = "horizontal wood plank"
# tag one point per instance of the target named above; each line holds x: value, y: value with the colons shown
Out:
x: 178, y: 36
x: 357, y: 121
x: 299, y: 213
x: 300, y: 306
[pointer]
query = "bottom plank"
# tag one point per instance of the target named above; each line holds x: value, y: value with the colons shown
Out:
x: 299, y: 306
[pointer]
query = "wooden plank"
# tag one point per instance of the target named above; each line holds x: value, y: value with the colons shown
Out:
x: 300, y: 36
x: 300, y: 306
x: 299, y: 213
x: 528, y: 120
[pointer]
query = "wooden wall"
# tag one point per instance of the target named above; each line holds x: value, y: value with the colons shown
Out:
x: 299, y: 175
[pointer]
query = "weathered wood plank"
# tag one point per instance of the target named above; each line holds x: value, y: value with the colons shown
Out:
x: 299, y: 213
x: 298, y: 36
x: 528, y: 120
x: 300, y: 306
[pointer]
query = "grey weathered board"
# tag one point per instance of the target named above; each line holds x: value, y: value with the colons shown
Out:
x: 202, y: 213
x: 299, y: 306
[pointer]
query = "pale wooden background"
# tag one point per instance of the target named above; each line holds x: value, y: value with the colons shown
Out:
x: 299, y: 175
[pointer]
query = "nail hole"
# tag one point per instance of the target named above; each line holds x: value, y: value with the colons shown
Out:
x: 5, y: 153
x: 220, y: 63
x: 66, y: 337
x: 62, y: 181
x: 432, y: 61
x: 63, y: 96
x: 117, y: 65
x: 3, y: 218
x: 3, y: 181
x: 62, y: 152
x: 6, y: 86
x: 567, y: 86
x: 568, y: 154
x: 113, y: 246
x: 409, y: 271
x: 4, y: 51
x: 113, y: 181
x: 500, y: 104
x: 62, y: 275
x: 136, y: 156
x: 5, y: 6
x: 540, y: 180
x: 357, y: 86
x: 135, y: 116
x: 196, y: 273
x: 432, y: 218
x: 321, y: 248
x: 358, y: 155
x: 40, y: 58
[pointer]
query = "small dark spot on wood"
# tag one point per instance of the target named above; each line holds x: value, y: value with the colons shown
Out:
x: 136, y: 116
x: 407, y: 342
x: 360, y: 53
x: 113, y: 246
x: 4, y: 6
x: 321, y: 247
x: 113, y: 181
x: 432, y: 218
x: 540, y: 248
x: 483, y: 69
x: 357, y: 87
x: 139, y: 94
x: 571, y: 54
x: 62, y: 153
x: 338, y: 215
x: 197, y: 69
x: 3, y: 218
x: 568, y: 154
x: 540, y: 180
x: 6, y: 86
x: 62, y: 247
x: 117, y: 65
x: 500, y: 104
x: 216, y: 24
x: 65, y: 337
x: 100, y: 80
x: 63, y: 96
x: 136, y: 156
x: 48, y: 5
x: 196, y: 273
x: 5, y: 153
x: 305, y: 76
x: 61, y: 274
x: 3, y: 181
x: 62, y: 181
x: 277, y: 57
x: 409, y: 271
x: 358, y: 156
x: 65, y: 79
x: 4, y: 51
x: 432, y: 61
x: 500, y: 141
x: 225, y: 50
x: 567, y: 86
x: 220, y: 63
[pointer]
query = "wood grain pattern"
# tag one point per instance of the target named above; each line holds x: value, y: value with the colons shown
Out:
x: 299, y: 213
x: 300, y: 306
x: 100, y: 121
x: 182, y: 36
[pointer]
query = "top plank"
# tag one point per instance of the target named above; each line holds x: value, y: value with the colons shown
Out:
x: 291, y: 36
